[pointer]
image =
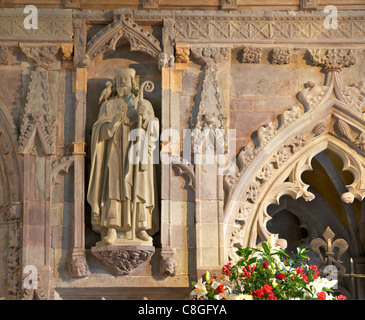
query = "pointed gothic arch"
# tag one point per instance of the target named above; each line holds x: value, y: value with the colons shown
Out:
x: 273, y: 168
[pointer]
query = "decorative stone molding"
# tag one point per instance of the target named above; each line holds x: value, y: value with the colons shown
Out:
x: 79, y: 149
x: 37, y: 118
x: 40, y: 56
x: 308, y: 4
x: 266, y: 134
x: 123, y: 259
x: 72, y: 4
x: 14, y: 261
x: 59, y: 166
x: 107, y: 38
x: 228, y: 4
x: 165, y: 60
x: 4, y: 55
x: 251, y: 55
x: 281, y: 56
x: 182, y: 54
x: 80, y: 36
x: 67, y: 49
x: 332, y: 59
x: 241, y: 26
x: 34, y: 293
x: 184, y: 168
x: 78, y: 267
x: 150, y: 4
x: 330, y: 257
x: 210, y: 113
x: 11, y: 212
x: 167, y: 264
x: 53, y: 25
x: 350, y: 98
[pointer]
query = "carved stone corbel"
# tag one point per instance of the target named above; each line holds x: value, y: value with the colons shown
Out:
x: 121, y: 258
x: 167, y: 264
x: 184, y: 168
x: 78, y: 267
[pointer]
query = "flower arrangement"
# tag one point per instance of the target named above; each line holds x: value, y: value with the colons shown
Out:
x: 267, y: 273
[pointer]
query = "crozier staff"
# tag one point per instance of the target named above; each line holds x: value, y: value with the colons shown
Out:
x: 122, y: 199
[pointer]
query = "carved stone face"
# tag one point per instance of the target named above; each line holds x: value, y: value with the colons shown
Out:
x: 123, y: 85
x: 168, y: 267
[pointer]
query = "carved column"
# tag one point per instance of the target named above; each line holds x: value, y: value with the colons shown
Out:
x: 37, y: 145
x: 78, y: 266
x: 170, y: 102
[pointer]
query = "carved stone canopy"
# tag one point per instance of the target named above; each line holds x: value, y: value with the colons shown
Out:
x: 123, y: 259
x: 107, y: 38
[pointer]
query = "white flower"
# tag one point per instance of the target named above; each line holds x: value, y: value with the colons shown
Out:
x: 200, y: 289
x: 321, y: 283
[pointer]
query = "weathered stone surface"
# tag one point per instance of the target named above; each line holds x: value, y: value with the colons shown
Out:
x: 123, y: 259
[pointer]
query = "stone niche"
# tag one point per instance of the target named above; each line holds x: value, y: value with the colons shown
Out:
x: 102, y: 70
x: 144, y: 279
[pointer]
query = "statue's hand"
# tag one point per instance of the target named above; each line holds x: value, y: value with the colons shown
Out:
x: 144, y: 110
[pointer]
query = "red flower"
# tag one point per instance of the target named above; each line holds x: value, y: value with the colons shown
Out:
x: 266, y: 288
x: 226, y: 270
x: 250, y: 268
x: 341, y: 297
x: 271, y: 296
x: 313, y: 267
x: 265, y: 265
x: 299, y: 270
x: 246, y: 273
x: 304, y: 276
x: 220, y: 288
x: 258, y: 294
x: 321, y: 295
x: 281, y: 276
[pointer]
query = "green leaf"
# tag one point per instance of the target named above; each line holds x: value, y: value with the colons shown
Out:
x: 252, y: 260
x: 265, y: 247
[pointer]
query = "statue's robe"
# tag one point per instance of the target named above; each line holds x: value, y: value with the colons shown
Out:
x: 111, y: 189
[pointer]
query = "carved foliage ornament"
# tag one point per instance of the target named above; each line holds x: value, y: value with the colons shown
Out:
x: 332, y: 59
x: 251, y: 55
x: 123, y: 259
x: 281, y: 56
